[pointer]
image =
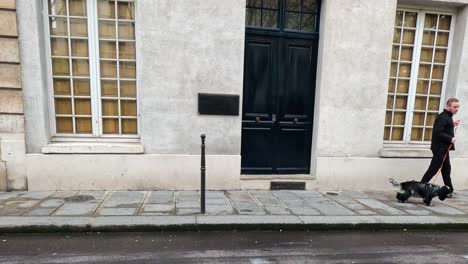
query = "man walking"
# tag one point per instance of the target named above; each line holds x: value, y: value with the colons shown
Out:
x: 443, y: 136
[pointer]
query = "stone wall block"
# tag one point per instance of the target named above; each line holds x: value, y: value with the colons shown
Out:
x: 8, y: 4
x: 8, y: 23
x: 11, y: 101
x: 10, y: 75
x: 11, y: 123
x: 9, y: 50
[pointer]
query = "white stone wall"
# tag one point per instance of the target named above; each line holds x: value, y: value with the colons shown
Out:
x: 188, y: 47
x: 458, y: 79
x: 352, y: 78
x: 33, y: 73
x: 183, y: 48
x: 354, y: 66
x: 130, y: 172
x: 12, y: 151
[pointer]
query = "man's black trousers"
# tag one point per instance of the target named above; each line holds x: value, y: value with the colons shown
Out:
x: 437, y: 159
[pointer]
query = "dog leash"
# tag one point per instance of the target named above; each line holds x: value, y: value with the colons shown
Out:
x: 443, y: 161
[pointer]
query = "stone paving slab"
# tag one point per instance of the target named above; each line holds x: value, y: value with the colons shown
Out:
x: 304, y: 211
x: 380, y: 207
x: 97, y: 195
x: 310, y: 193
x: 228, y: 208
x: 445, y: 210
x: 35, y: 195
x: 117, y: 211
x: 379, y: 195
x: 187, y: 211
x: 355, y: 194
x: 160, y: 197
x: 277, y: 210
x: 366, y: 212
x: 248, y: 208
x: 218, y: 201
x: 16, y: 207
x: 244, y: 203
x: 52, y: 203
x: 158, y: 207
x: 285, y: 195
x: 342, y: 199
x: 155, y: 214
x: 356, y: 206
x: 328, y: 207
x: 7, y: 195
x: 188, y: 196
x: 215, y: 194
x: 460, y: 204
x: 219, y: 210
x: 41, y: 212
x: 418, y: 212
x: 125, y: 199
x: 188, y: 204
x: 63, y: 194
x: 76, y: 209
x: 260, y: 202
x: 266, y: 198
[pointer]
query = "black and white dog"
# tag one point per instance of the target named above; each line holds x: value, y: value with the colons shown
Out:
x: 426, y: 191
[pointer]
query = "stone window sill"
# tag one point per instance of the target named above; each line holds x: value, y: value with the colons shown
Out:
x: 405, y: 152
x: 93, y: 148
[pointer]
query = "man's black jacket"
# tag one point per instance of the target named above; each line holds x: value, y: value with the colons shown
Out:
x: 442, y: 132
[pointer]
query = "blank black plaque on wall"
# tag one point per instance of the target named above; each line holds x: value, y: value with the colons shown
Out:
x: 218, y: 104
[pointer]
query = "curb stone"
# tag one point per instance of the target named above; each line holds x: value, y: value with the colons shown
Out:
x: 224, y: 223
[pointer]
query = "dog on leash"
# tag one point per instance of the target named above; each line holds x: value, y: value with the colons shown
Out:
x: 426, y: 191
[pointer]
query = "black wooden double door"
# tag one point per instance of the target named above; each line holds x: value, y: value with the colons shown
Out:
x: 278, y: 104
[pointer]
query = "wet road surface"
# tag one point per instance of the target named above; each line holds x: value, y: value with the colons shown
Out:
x: 237, y: 247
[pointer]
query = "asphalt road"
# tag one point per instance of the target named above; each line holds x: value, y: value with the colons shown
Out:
x: 237, y: 247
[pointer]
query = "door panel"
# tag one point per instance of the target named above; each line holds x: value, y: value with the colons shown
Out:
x: 296, y: 104
x: 279, y: 85
x: 260, y: 85
x: 257, y: 149
x: 296, y: 90
x: 260, y: 78
x: 293, y: 150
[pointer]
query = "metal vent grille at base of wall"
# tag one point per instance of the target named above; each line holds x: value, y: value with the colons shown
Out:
x: 282, y: 185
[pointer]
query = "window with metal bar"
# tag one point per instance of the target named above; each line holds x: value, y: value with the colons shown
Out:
x: 282, y: 15
x: 300, y: 15
x: 93, y: 67
x: 421, y: 44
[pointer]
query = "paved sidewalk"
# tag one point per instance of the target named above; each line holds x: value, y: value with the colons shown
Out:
x: 179, y: 210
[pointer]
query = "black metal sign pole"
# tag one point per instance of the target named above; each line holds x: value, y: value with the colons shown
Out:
x: 203, y: 171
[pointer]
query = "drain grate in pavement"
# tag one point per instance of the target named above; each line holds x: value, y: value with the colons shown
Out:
x: 79, y: 198
x: 331, y: 193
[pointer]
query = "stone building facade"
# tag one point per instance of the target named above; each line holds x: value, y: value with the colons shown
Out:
x: 12, y: 144
x: 335, y: 93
